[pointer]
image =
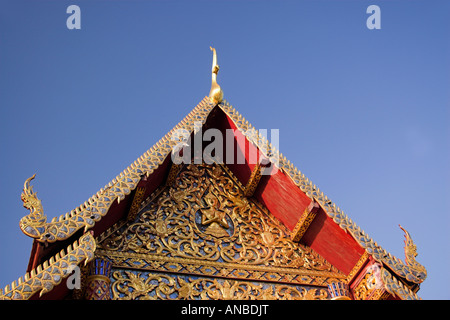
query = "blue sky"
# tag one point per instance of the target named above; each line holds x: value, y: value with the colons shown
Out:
x: 362, y: 113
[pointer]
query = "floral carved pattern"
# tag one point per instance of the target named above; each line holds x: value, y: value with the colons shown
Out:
x: 203, y: 225
x: 204, y: 215
x: 152, y: 286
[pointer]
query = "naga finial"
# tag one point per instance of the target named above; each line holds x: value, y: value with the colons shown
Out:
x: 410, y: 256
x: 216, y: 93
x: 36, y: 217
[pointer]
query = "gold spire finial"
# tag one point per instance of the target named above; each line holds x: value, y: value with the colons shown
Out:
x: 216, y: 93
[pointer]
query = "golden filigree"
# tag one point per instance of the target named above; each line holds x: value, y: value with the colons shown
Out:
x: 305, y: 221
x: 128, y: 260
x: 151, y: 286
x: 178, y: 223
x: 358, y: 266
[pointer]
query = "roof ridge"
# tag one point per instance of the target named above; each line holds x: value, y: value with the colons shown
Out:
x: 97, y: 206
x: 52, y: 271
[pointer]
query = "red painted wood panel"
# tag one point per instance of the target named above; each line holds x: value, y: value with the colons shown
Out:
x: 282, y: 197
x: 330, y: 241
x: 277, y: 192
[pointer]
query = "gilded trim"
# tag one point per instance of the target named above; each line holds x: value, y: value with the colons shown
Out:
x: 152, y: 262
x: 253, y: 181
x: 305, y: 221
x: 136, y: 204
x: 361, y: 263
x: 131, y: 285
x: 173, y: 172
x: 51, y: 273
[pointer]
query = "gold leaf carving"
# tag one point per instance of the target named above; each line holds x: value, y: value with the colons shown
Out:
x: 206, y: 240
x: 204, y: 215
x: 152, y: 286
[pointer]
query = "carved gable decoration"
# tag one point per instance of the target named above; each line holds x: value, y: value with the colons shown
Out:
x: 199, y: 237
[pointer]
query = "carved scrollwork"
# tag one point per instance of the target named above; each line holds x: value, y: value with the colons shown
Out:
x: 205, y: 215
x: 206, y: 240
x: 151, y: 286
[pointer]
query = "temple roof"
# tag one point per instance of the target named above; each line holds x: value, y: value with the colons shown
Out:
x: 310, y: 216
x: 115, y: 200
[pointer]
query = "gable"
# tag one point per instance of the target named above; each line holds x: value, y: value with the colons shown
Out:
x: 200, y: 230
x: 288, y: 195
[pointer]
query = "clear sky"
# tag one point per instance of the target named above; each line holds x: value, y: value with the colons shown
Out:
x: 362, y: 113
